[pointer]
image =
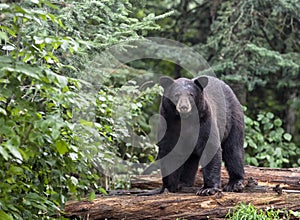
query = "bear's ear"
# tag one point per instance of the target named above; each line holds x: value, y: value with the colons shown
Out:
x: 165, y: 81
x: 201, y: 82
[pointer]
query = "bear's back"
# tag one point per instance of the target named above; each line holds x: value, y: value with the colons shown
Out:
x: 224, y: 105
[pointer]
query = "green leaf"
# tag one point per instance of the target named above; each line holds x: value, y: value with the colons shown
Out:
x: 12, y: 145
x: 50, y: 5
x: 3, y: 36
x: 25, y: 154
x: 62, y: 80
x: 4, y: 154
x: 270, y: 115
x: 260, y: 117
x: 5, y: 216
x: 3, y: 111
x: 287, y: 137
x: 35, y: 1
x: 69, y: 113
x: 55, y: 133
x: 10, y: 31
x: 61, y: 146
x: 103, y: 191
x: 28, y: 57
x: 92, y: 196
x: 74, y: 180
x: 284, y: 160
x: 5, y: 59
x: 4, y: 6
x: 296, y: 214
x: 277, y: 122
x: 38, y: 40
x: 25, y: 69
x: 254, y: 161
x: 16, y: 170
x: 14, y: 151
x: 8, y: 47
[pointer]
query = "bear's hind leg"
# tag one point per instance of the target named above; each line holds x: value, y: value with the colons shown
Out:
x: 233, y: 156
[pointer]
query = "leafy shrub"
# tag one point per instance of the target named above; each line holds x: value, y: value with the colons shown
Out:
x: 50, y: 140
x: 267, y: 144
x: 123, y: 113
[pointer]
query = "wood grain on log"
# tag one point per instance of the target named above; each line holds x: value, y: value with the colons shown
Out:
x: 288, y: 178
x: 190, y: 206
x: 173, y: 206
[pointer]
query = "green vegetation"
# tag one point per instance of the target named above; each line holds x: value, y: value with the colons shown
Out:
x: 250, y: 212
x: 46, y: 151
x: 267, y: 144
x: 61, y: 135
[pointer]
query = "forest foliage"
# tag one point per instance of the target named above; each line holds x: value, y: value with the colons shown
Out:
x: 60, y: 138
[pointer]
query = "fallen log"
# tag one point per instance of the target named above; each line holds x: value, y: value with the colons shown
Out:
x: 288, y: 178
x: 277, y: 188
x: 173, y: 206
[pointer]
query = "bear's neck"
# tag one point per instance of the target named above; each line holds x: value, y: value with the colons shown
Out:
x: 204, y: 112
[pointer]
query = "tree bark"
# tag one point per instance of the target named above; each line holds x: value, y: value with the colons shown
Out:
x: 290, y: 118
x: 173, y: 206
x: 190, y: 206
x: 240, y: 91
x: 288, y: 178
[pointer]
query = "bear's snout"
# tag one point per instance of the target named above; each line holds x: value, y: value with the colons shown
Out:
x: 183, y: 106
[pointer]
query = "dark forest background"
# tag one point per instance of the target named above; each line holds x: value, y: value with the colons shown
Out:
x: 61, y: 140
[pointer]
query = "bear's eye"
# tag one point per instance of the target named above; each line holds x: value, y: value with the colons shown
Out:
x: 177, y: 96
x: 191, y: 94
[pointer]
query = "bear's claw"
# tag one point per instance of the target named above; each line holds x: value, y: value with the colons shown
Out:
x: 207, y: 191
x: 234, y: 187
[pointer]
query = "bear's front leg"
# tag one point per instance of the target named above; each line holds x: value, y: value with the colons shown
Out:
x: 170, y: 175
x: 211, y: 176
x: 171, y: 181
x: 189, y: 171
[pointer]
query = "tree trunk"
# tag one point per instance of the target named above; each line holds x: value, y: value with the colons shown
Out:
x: 240, y: 91
x: 190, y: 206
x: 290, y: 118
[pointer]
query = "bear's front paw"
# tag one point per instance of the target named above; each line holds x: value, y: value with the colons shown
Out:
x: 207, y: 191
x: 236, y: 186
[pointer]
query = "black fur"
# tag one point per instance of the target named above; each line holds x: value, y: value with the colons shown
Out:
x: 196, y: 109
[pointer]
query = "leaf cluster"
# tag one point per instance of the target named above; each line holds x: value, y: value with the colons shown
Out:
x: 57, y: 134
x: 267, y: 144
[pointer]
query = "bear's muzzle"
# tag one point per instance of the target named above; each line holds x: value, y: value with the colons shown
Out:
x: 184, y: 106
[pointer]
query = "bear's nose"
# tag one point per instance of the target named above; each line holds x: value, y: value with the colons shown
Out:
x: 184, y: 108
x: 183, y: 105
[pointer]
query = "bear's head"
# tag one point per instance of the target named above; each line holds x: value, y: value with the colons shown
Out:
x: 184, y: 95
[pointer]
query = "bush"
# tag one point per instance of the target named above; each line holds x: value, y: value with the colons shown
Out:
x: 122, y: 119
x: 267, y: 144
x: 50, y: 140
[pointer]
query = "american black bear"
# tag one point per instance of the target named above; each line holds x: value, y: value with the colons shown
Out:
x: 202, y: 122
